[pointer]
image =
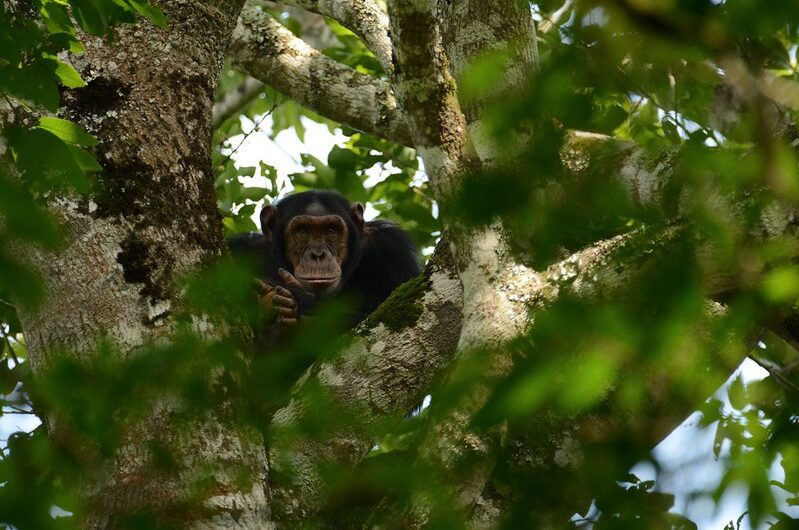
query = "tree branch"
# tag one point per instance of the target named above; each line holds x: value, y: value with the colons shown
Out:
x: 472, y: 28
x: 743, y: 90
x: 465, y: 454
x: 371, y: 381
x: 647, y: 178
x: 315, y: 30
x: 554, y: 20
x: 778, y: 372
x: 266, y: 50
x: 380, y: 376
x: 236, y: 100
x: 497, y: 295
x: 365, y: 18
x: 428, y: 94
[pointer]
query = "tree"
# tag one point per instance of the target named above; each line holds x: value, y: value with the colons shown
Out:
x: 617, y: 226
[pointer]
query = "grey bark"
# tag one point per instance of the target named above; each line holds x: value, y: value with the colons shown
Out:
x: 266, y: 50
x: 365, y: 18
x: 377, y: 379
x: 153, y: 217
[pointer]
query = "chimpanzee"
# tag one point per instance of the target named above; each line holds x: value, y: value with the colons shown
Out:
x: 316, y: 245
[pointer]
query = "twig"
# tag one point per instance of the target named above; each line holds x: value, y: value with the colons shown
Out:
x: 11, y: 351
x: 236, y: 100
x: 247, y: 134
x: 8, y: 304
x: 777, y: 372
x: 550, y: 22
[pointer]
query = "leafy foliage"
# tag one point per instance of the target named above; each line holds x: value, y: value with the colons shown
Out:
x: 348, y: 166
x: 584, y: 400
x: 351, y: 51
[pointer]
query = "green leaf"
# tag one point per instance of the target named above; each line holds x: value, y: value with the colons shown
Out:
x: 67, y: 131
x: 305, y: 181
x: 484, y: 74
x: 67, y: 41
x: 247, y: 171
x: 782, y: 284
x: 85, y: 159
x: 238, y: 225
x: 254, y: 193
x: 89, y: 17
x: 711, y: 412
x: 23, y: 217
x: 268, y: 171
x: 340, y: 158
x: 152, y: 13
x: 737, y: 394
x: 718, y: 439
x: 611, y: 118
x: 36, y: 83
x: 61, y: 168
x: 56, y: 17
x: 21, y: 280
x: 68, y: 76
x: 595, y: 375
x: 349, y: 184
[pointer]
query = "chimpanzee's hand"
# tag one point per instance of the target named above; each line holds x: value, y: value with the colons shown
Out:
x: 280, y: 301
x: 290, y: 280
x: 303, y: 298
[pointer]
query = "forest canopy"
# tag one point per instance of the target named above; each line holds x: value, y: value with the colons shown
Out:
x: 605, y: 192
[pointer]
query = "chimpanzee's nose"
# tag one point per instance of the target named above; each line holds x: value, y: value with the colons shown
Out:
x: 317, y: 254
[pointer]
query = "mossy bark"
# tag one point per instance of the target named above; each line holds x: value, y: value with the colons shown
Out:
x: 151, y: 218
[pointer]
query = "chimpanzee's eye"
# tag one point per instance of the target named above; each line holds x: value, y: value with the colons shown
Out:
x: 331, y: 230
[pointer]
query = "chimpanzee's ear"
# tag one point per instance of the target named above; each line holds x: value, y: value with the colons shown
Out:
x: 356, y: 212
x: 268, y: 220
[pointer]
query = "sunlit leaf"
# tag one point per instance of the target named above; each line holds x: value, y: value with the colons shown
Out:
x: 68, y: 76
x: 67, y: 131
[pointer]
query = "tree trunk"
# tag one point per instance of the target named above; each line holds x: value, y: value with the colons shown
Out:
x: 152, y: 218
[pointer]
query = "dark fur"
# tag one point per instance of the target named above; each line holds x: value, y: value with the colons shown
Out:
x: 376, y: 263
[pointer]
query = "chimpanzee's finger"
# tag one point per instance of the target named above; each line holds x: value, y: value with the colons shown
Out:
x: 286, y: 312
x: 288, y: 278
x: 282, y: 291
x: 283, y: 301
x: 262, y: 287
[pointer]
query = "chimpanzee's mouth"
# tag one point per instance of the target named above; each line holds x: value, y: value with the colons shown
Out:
x: 318, y: 283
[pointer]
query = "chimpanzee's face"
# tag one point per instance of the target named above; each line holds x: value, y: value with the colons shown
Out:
x: 316, y: 247
x: 316, y: 242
